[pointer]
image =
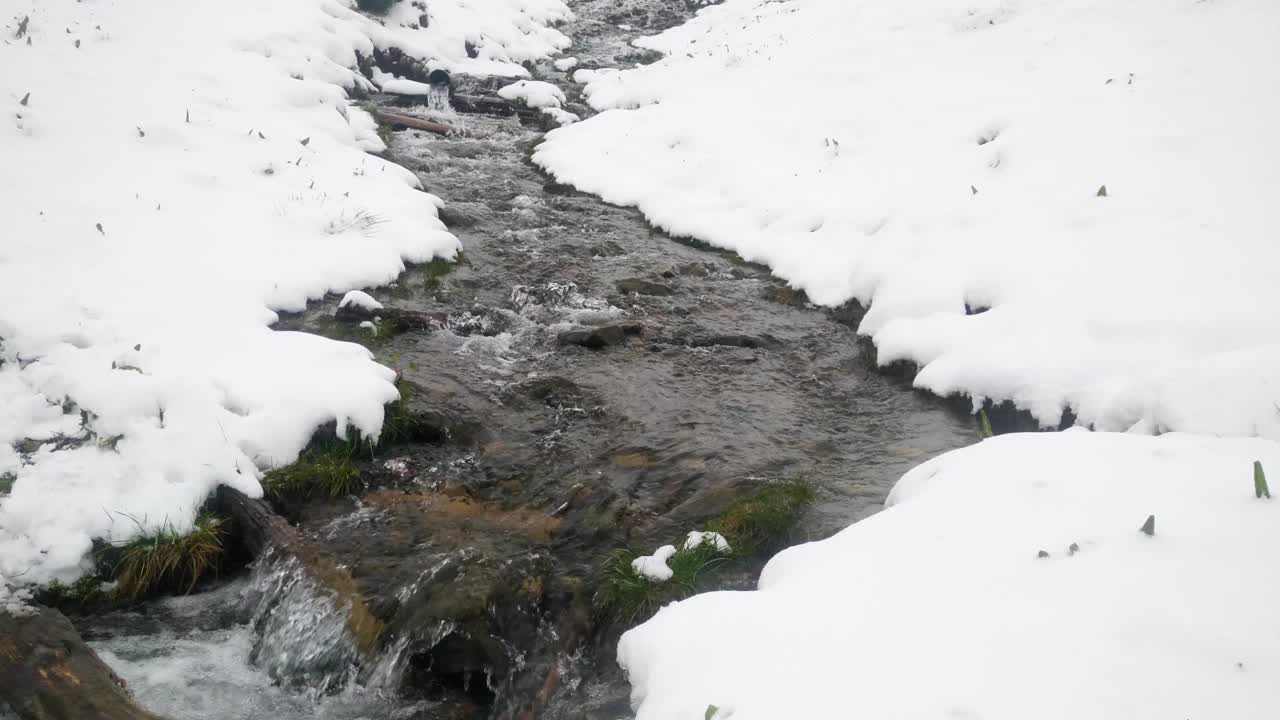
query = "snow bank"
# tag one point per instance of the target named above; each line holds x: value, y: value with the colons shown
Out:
x: 921, y: 156
x: 940, y: 606
x: 174, y: 173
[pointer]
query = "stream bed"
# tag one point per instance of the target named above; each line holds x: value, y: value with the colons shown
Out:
x: 591, y: 383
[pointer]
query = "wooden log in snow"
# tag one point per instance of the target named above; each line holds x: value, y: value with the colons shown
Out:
x: 47, y: 672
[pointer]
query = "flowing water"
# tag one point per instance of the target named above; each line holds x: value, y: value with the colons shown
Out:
x: 593, y: 383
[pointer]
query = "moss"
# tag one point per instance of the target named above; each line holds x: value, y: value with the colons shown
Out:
x: 168, y: 561
x: 399, y: 424
x: 86, y: 591
x: 765, y: 521
x: 433, y: 272
x: 625, y: 596
x: 6, y: 483
x: 324, y: 471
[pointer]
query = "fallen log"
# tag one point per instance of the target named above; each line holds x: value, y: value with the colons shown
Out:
x: 408, y: 121
x: 264, y: 532
x: 47, y: 672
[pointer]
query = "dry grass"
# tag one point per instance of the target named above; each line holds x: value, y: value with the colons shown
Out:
x: 168, y: 561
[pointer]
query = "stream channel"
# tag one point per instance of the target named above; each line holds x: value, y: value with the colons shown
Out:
x: 590, y: 383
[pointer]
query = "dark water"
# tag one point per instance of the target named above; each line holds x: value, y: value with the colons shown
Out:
x: 477, y: 548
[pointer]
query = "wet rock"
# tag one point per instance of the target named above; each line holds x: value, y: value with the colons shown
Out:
x: 554, y: 392
x: 640, y: 286
x: 734, y: 340
x: 48, y: 673
x: 600, y: 337
x: 459, y: 215
x: 395, y: 319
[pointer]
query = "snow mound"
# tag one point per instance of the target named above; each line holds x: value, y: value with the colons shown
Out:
x: 562, y: 117
x: 697, y: 537
x: 654, y: 567
x: 941, y: 606
x: 927, y: 157
x: 565, y: 64
x: 534, y: 93
x: 359, y: 299
x: 174, y: 174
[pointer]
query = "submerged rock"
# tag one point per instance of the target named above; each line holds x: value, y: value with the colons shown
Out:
x: 600, y: 337
x: 640, y: 286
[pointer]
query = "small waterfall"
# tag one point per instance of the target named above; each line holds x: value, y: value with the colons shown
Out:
x: 438, y: 95
x: 302, y: 637
x: 438, y: 99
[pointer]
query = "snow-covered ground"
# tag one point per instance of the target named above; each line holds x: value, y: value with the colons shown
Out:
x: 173, y: 174
x: 942, y: 607
x: 921, y: 156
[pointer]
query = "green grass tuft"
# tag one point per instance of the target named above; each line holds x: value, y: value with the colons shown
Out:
x: 764, y: 521
x: 1260, y: 489
x: 6, y: 483
x: 625, y: 596
x: 433, y: 272
x: 755, y: 526
x: 167, y: 561
x: 325, y: 471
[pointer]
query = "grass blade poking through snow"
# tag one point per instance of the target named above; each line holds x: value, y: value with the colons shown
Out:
x: 1260, y: 489
x: 984, y: 425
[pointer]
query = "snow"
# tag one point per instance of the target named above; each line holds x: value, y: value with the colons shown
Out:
x: 697, y: 537
x: 654, y: 567
x: 396, y: 85
x: 919, y: 157
x: 940, y: 606
x: 174, y: 175
x: 534, y: 93
x: 503, y: 33
x: 562, y: 117
x: 590, y: 75
x: 360, y: 299
x: 565, y: 64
